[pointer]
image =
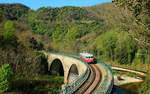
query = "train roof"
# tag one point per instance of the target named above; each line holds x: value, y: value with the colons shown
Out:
x: 86, y: 54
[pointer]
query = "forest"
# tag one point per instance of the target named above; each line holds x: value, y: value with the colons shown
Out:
x: 116, y: 32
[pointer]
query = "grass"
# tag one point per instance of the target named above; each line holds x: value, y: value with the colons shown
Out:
x: 51, y: 79
x: 126, y: 73
x: 134, y: 66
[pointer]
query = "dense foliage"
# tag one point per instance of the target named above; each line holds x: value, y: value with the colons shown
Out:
x: 145, y: 87
x: 124, y: 21
x: 102, y: 30
x: 116, y: 46
x: 22, y: 59
x: 140, y: 10
x: 13, y: 11
x: 5, y: 78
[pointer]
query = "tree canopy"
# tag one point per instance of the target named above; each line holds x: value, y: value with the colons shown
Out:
x: 140, y: 10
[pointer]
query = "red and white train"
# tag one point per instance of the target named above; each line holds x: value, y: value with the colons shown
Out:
x: 89, y: 58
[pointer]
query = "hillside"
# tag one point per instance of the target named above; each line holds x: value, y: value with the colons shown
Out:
x: 101, y: 30
x: 13, y: 11
x: 110, y: 14
x: 76, y: 29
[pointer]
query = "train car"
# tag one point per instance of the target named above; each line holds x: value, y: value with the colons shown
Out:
x: 89, y: 58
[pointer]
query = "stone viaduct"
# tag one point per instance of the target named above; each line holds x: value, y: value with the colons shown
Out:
x: 76, y: 72
x: 66, y: 66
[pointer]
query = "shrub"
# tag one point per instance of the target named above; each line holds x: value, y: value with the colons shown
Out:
x: 5, y: 78
x: 35, y: 44
x: 8, y: 35
x: 145, y: 87
x: 8, y: 41
x: 9, y: 26
x: 125, y: 50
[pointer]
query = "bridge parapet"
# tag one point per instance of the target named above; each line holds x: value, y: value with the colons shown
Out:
x: 107, y: 80
x: 72, y: 87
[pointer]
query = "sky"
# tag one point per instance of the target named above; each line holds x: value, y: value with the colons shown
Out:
x: 35, y: 4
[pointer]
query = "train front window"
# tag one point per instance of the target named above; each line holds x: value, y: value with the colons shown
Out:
x: 90, y: 57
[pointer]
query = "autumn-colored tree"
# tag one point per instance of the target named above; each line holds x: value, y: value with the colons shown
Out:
x: 140, y: 10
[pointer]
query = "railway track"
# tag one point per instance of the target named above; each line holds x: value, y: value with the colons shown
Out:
x: 92, y: 82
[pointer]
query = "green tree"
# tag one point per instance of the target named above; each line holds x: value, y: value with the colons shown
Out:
x: 106, y: 44
x: 116, y: 46
x: 143, y: 55
x: 57, y: 37
x: 1, y: 15
x: 109, y: 45
x: 8, y: 41
x: 125, y: 50
x: 13, y: 11
x: 72, y: 34
x: 35, y: 44
x: 8, y: 35
x: 38, y: 26
x: 140, y: 10
x: 9, y: 26
x: 145, y: 87
x: 5, y: 78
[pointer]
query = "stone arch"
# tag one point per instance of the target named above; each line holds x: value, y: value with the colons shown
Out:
x: 73, y: 73
x: 56, y: 68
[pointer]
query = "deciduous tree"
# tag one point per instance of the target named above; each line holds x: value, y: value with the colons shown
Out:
x: 5, y: 78
x: 140, y: 10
